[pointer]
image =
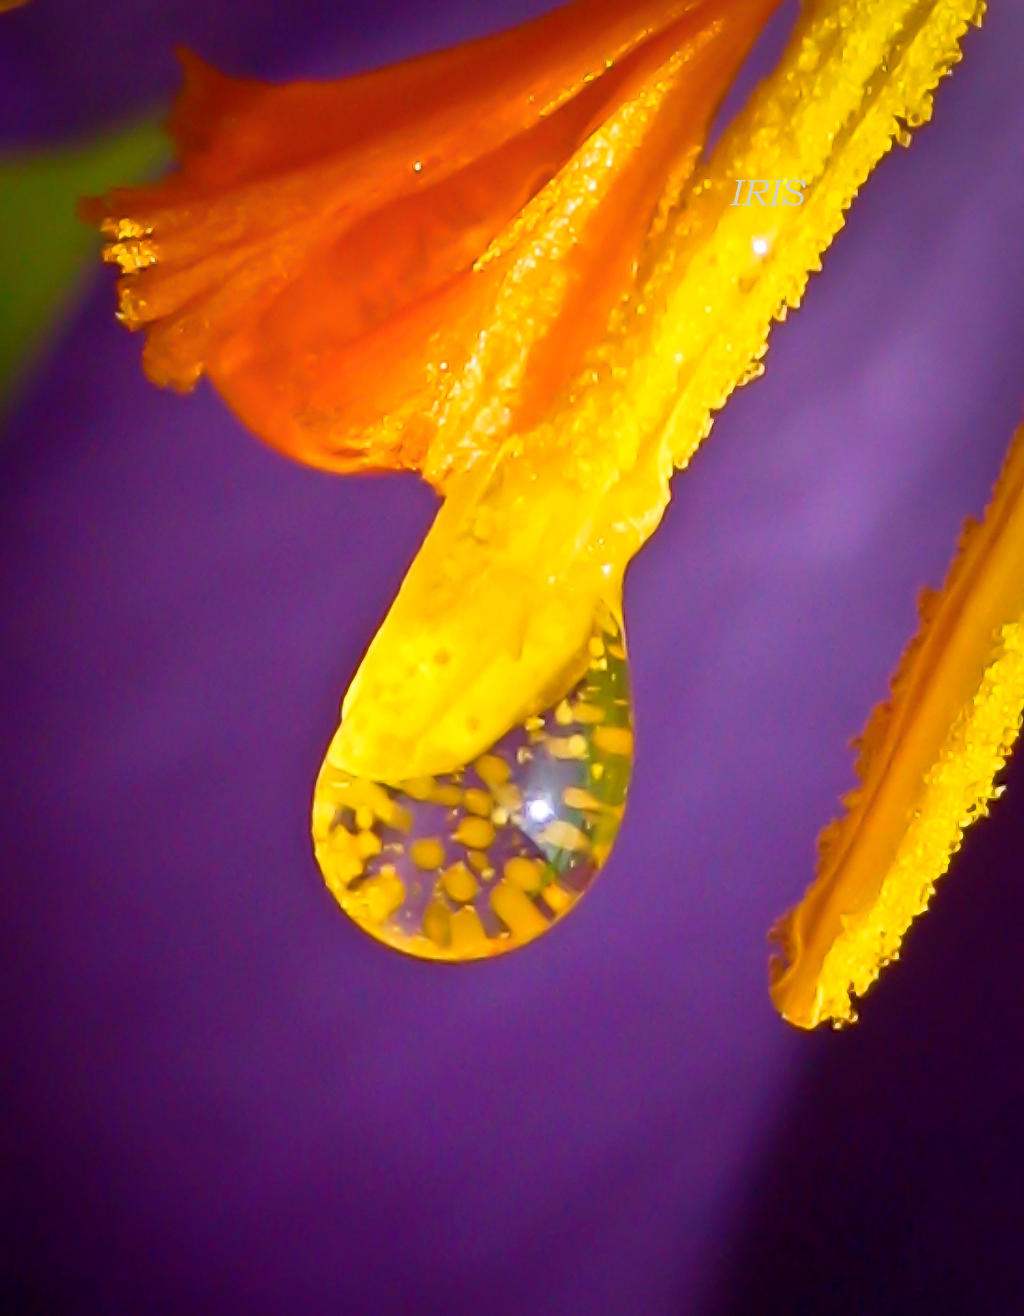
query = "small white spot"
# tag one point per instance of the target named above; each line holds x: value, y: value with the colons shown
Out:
x: 418, y: 167
x: 760, y: 246
x: 540, y: 810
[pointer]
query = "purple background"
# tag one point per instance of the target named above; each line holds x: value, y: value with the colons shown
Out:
x: 219, y: 1094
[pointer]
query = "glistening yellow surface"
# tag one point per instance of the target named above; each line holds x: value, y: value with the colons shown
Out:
x: 929, y: 765
x: 529, y: 539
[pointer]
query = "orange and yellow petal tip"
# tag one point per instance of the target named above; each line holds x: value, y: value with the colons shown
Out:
x: 399, y: 269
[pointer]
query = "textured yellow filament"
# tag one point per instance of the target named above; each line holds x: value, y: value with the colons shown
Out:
x: 929, y: 764
x: 855, y: 76
x: 489, y: 623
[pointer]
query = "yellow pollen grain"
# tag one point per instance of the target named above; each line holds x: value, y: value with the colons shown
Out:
x: 563, y: 835
x: 368, y: 844
x: 353, y: 792
x: 364, y: 817
x: 478, y: 802
x: 600, y: 851
x: 567, y: 747
x: 614, y: 740
x: 427, y: 852
x: 447, y: 795
x: 131, y: 256
x: 339, y: 858
x: 493, y: 770
x: 563, y: 713
x: 437, y: 923
x: 556, y: 898
x: 380, y: 896
x: 588, y: 713
x: 340, y: 840
x: 124, y: 229
x: 517, y: 911
x: 467, y: 932
x: 481, y: 862
x: 476, y: 833
x: 509, y: 796
x: 526, y: 874
x: 459, y: 882
x: 577, y: 798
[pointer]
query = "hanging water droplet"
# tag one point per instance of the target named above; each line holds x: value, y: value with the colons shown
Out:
x: 478, y: 861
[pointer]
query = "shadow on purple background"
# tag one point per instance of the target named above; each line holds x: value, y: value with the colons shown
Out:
x: 220, y: 1096
x: 895, y: 1179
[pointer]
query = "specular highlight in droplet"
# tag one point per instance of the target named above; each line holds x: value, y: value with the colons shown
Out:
x: 476, y: 862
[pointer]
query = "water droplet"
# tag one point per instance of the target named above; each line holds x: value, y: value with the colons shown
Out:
x: 478, y: 861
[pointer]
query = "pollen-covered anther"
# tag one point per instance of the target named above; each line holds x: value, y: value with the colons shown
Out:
x: 929, y: 764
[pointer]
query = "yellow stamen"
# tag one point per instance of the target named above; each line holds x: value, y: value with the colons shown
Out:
x: 929, y: 764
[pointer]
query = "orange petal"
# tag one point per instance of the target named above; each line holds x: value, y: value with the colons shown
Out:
x: 399, y: 268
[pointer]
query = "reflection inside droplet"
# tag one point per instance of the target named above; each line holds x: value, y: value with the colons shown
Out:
x: 478, y: 861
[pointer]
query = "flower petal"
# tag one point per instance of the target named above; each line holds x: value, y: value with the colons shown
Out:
x: 336, y: 255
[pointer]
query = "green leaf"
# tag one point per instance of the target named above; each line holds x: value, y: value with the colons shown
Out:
x: 44, y: 246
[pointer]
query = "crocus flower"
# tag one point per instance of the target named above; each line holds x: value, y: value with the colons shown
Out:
x: 222, y: 1096
x: 504, y: 267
